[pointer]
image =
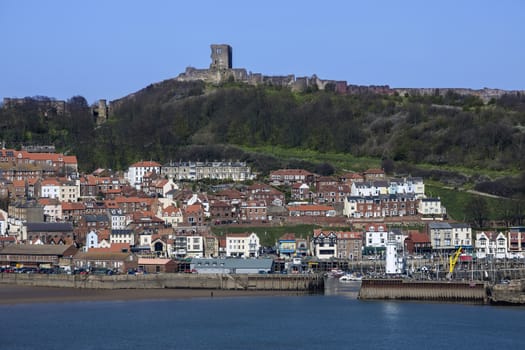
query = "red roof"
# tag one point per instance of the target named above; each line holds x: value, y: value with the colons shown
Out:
x: 310, y: 207
x: 145, y: 164
x: 418, y: 237
x: 73, y: 206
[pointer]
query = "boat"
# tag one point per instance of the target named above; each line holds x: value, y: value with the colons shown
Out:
x: 350, y: 277
x: 336, y: 273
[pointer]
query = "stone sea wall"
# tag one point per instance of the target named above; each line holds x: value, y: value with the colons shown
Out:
x: 310, y: 283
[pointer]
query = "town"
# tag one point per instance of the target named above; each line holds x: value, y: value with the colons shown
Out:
x: 154, y: 219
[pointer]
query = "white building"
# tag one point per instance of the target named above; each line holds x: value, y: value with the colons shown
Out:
x: 234, y: 171
x: 491, y: 245
x: 431, y: 208
x: 52, y: 209
x: 324, y: 245
x: 395, y: 262
x: 122, y: 236
x: 171, y: 215
x: 376, y: 236
x: 117, y: 219
x: 64, y: 191
x: 195, y: 246
x: 91, y: 240
x: 450, y: 236
x: 69, y: 191
x: 3, y: 222
x: 137, y: 171
x: 50, y: 188
x: 242, y: 245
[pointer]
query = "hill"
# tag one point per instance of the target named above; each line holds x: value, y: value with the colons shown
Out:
x: 453, y: 138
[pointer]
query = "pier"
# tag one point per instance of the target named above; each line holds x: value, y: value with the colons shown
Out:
x: 399, y: 289
x: 313, y: 283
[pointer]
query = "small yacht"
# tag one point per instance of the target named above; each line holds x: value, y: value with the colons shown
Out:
x: 350, y: 277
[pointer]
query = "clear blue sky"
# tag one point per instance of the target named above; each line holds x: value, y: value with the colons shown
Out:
x: 110, y: 48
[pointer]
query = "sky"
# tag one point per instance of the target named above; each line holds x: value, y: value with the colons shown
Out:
x: 107, y: 49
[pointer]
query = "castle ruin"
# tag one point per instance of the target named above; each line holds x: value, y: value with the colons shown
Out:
x: 221, y: 70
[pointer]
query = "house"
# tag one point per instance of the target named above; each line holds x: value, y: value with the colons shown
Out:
x: 37, y: 255
x: 26, y: 211
x: 58, y: 188
x: 18, y: 189
x: 231, y: 196
x: 7, y: 241
x: 324, y: 244
x: 332, y: 193
x: 91, y: 240
x: 311, y: 210
x: 348, y: 178
x: 100, y: 258
x: 516, y: 241
x: 242, y: 245
x: 193, y: 215
x: 188, y: 244
x: 374, y: 174
x: 146, y: 220
x: 288, y: 246
x: 301, y: 191
x: 52, y: 209
x: 253, y: 210
x: 362, y: 207
x: 431, y: 209
x: 118, y: 219
x: 491, y: 244
x: 211, y: 246
x: 268, y: 194
x: 290, y: 176
x: 232, y: 266
x: 122, y: 236
x: 137, y: 171
x: 376, y: 236
x: 161, y: 246
x: 398, y: 205
x: 73, y: 212
x: 418, y: 243
x: 221, y: 211
x: 349, y: 245
x: 157, y: 265
x: 45, y: 231
x: 3, y: 223
x: 234, y: 171
x: 369, y: 188
x: 171, y: 215
x: 447, y: 237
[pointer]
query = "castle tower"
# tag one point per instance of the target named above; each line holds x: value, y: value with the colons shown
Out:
x: 221, y: 56
x: 102, y: 111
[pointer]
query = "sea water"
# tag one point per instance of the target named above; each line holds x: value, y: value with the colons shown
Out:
x: 336, y: 320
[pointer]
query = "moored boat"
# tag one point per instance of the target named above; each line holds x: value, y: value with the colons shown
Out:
x: 349, y: 277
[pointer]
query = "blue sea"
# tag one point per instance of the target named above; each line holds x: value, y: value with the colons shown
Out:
x: 336, y: 320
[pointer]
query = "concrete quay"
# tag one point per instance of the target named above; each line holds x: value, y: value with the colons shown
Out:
x: 448, y: 291
x: 307, y: 283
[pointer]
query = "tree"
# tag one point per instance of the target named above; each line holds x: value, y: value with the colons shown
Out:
x: 325, y: 169
x: 477, y: 211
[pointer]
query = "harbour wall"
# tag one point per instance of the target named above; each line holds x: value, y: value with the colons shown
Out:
x: 399, y: 289
x: 307, y: 283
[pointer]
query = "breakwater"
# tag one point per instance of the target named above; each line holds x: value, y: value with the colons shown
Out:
x: 399, y: 289
x: 306, y: 283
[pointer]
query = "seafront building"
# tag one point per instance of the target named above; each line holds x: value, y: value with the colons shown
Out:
x: 195, y: 171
